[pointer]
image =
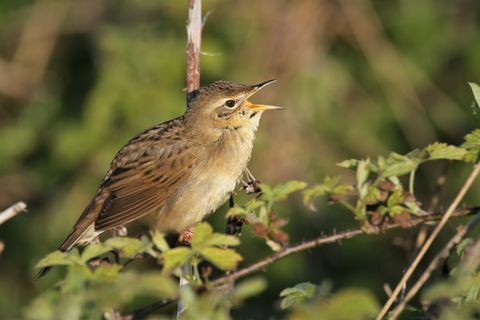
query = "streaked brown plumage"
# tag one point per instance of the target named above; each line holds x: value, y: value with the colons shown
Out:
x: 179, y: 171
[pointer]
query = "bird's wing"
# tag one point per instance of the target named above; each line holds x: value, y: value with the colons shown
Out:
x: 137, y: 188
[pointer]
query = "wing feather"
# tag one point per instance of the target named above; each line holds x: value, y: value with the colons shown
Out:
x: 140, y: 188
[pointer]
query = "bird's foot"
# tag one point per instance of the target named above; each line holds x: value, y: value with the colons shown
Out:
x: 185, y: 237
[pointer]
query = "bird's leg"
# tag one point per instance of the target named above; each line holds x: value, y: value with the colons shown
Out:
x: 234, y: 223
x: 251, y: 186
x: 119, y: 231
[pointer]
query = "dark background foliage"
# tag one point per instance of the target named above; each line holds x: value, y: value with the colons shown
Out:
x: 357, y: 79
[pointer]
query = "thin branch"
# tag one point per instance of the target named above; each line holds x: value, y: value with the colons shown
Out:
x: 436, y: 263
x: 194, y: 40
x: 321, y: 240
x: 12, y: 211
x: 471, y: 178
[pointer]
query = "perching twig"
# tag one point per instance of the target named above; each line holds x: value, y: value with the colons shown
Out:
x: 473, y: 175
x: 436, y: 262
x: 194, y: 40
x: 12, y: 211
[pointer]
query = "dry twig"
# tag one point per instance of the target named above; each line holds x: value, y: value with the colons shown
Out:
x: 473, y: 175
x: 12, y: 211
x: 436, y: 263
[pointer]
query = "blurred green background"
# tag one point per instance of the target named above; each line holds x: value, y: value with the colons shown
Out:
x: 357, y: 78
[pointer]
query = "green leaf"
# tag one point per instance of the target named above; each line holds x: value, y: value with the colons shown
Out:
x: 128, y: 247
x: 249, y: 288
x: 476, y: 92
x: 397, y: 165
x: 463, y: 245
x: 220, y: 239
x: 107, y: 272
x: 94, y: 250
x: 349, y: 164
x: 281, y: 191
x: 444, y: 151
x: 225, y: 259
x: 329, y: 185
x: 345, y: 305
x: 203, y: 232
x: 472, y: 144
x: 362, y: 172
x: 297, y: 294
x: 175, y: 257
x: 159, y: 241
x: 57, y: 258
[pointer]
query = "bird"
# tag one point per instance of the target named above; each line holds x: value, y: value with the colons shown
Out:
x: 180, y: 171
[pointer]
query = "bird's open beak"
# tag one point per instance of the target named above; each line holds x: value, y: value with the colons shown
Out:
x: 260, y: 107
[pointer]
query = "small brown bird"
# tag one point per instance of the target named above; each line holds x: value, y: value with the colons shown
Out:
x: 179, y: 171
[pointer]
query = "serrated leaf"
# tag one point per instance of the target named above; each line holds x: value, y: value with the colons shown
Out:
x: 56, y: 258
x: 225, y: 259
x: 281, y: 191
x: 94, y: 250
x: 159, y: 241
x: 444, y: 151
x: 349, y: 164
x: 128, y: 247
x: 203, y: 232
x: 175, y: 257
x: 297, y: 294
x: 472, y: 144
x: 397, y: 165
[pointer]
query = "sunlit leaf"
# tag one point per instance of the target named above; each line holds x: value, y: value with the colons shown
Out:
x: 94, y: 250
x: 225, y: 259
x: 203, y: 232
x: 175, y: 257
x: 281, y: 191
x: 476, y: 92
x: 128, y: 247
x: 159, y: 241
x: 444, y: 151
x: 58, y: 258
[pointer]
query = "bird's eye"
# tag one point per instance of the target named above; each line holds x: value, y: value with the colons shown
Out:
x: 230, y: 103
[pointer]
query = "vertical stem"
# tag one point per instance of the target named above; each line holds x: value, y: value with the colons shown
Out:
x: 194, y: 40
x: 411, y: 182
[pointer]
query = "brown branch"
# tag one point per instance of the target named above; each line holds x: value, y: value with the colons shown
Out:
x: 434, y: 264
x: 466, y: 186
x: 12, y: 211
x: 194, y: 40
x: 321, y: 240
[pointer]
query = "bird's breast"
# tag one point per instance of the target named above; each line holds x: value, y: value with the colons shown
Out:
x: 211, y: 182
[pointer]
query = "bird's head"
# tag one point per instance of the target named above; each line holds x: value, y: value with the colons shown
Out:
x: 224, y: 105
